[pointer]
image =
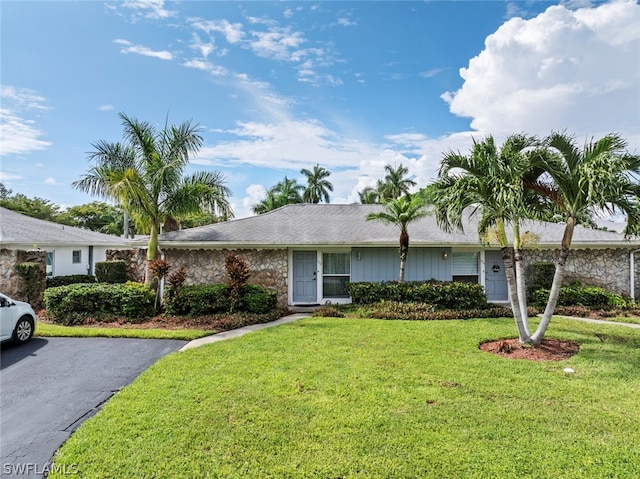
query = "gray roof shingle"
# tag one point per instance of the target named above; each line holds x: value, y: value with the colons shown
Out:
x: 18, y: 229
x: 332, y: 224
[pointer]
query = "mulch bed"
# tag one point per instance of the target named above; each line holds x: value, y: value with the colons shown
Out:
x: 548, y: 350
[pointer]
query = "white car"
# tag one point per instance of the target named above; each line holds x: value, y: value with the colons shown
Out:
x: 17, y: 320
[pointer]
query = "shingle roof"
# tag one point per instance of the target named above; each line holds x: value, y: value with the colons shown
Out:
x: 19, y: 229
x: 322, y: 224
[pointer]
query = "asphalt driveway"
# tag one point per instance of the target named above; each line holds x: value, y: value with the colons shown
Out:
x: 49, y: 386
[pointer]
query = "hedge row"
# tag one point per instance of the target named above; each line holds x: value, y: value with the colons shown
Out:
x: 74, y: 303
x: 56, y: 281
x: 442, y: 294
x: 203, y: 299
x: 578, y: 295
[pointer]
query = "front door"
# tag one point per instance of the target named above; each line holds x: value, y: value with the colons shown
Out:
x: 305, y: 277
x: 495, y: 278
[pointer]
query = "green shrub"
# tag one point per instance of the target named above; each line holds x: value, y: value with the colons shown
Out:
x: 425, y: 312
x: 73, y: 304
x: 440, y: 294
x: 56, y: 281
x: 256, y: 299
x: 198, y: 300
x: 590, y: 296
x: 111, y: 271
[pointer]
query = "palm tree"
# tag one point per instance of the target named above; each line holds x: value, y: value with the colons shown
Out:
x: 369, y: 196
x: 394, y: 183
x: 600, y: 177
x: 318, y: 187
x: 488, y: 182
x: 289, y: 191
x: 146, y: 175
x: 401, y: 212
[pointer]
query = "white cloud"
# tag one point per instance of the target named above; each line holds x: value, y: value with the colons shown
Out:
x: 153, y: 9
x: 277, y: 43
x: 142, y: 50
x: 50, y: 181
x: 232, y: 32
x: 206, y: 66
x: 20, y: 133
x: 345, y: 22
x: 106, y: 107
x: 8, y: 176
x: 432, y: 73
x: 574, y: 70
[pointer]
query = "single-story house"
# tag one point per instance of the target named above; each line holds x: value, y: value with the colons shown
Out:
x: 65, y: 250
x: 307, y: 252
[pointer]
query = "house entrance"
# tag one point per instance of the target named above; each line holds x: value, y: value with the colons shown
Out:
x: 305, y: 277
x: 495, y: 277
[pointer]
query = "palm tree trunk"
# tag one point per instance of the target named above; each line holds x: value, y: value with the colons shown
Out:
x: 152, y: 249
x: 512, y: 285
x: 558, y: 276
x: 521, y: 283
x: 404, y: 249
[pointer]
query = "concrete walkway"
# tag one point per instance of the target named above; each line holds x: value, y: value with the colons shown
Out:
x: 600, y: 321
x: 234, y: 333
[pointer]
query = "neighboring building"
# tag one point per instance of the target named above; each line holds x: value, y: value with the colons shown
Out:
x: 307, y: 253
x: 68, y: 250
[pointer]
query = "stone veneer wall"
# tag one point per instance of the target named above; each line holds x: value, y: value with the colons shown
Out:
x: 607, y: 268
x: 135, y: 260
x: 11, y: 283
x: 269, y: 267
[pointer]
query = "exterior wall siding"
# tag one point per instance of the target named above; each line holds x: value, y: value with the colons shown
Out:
x: 383, y: 264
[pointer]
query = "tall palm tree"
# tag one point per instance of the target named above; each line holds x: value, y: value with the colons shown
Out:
x: 395, y: 183
x: 146, y: 175
x: 488, y: 183
x: 369, y: 196
x: 318, y: 187
x: 600, y: 177
x: 289, y: 191
x: 401, y: 212
x: 285, y: 192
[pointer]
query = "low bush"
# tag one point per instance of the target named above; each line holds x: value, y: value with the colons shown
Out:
x: 204, y: 299
x: 256, y: 299
x: 198, y: 300
x: 440, y: 294
x: 56, y: 281
x: 328, y: 311
x: 72, y: 304
x: 590, y: 296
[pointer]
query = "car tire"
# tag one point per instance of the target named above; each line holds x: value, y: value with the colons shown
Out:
x: 23, y: 330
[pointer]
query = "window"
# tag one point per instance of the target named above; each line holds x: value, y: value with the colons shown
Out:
x: 465, y: 267
x: 336, y: 271
x: 50, y: 263
x: 76, y: 256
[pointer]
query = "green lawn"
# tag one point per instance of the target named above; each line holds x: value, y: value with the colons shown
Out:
x: 56, y: 330
x: 349, y: 398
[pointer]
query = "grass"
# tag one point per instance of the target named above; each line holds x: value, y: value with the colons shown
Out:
x: 350, y: 398
x: 55, y: 330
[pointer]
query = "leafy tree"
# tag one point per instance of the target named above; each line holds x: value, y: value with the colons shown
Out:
x: 318, y: 187
x: 401, y: 212
x: 146, y: 174
x: 488, y: 183
x: 34, y: 207
x: 95, y: 216
x: 5, y: 193
x: 600, y: 177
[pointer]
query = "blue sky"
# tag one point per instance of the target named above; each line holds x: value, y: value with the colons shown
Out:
x: 280, y: 86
